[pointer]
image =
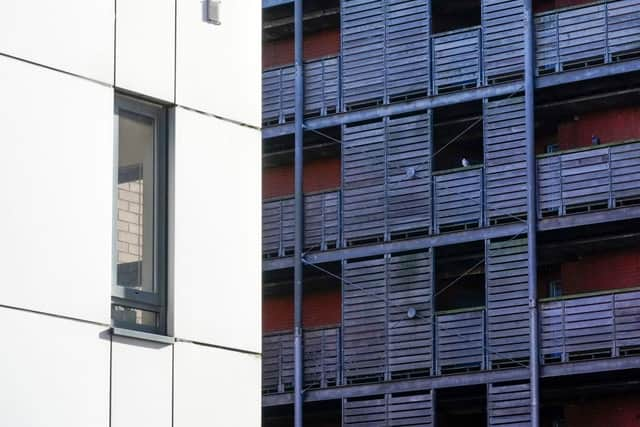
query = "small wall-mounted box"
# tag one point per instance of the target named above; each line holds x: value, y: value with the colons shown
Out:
x: 212, y: 12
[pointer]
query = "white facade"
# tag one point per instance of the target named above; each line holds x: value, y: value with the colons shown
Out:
x: 62, y: 65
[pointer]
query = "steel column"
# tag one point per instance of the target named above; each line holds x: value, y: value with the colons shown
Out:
x: 532, y: 212
x: 298, y: 354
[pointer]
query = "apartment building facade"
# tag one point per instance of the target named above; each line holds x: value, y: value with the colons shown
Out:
x: 123, y: 302
x: 469, y: 173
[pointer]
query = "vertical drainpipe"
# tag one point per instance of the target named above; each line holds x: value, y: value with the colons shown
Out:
x: 299, y: 217
x: 532, y: 211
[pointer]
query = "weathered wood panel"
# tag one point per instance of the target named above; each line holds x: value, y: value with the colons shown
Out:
x: 369, y: 411
x: 320, y: 86
x: 321, y: 360
x: 407, y: 53
x: 321, y: 89
x: 503, y: 39
x: 549, y: 186
x: 578, y: 328
x: 585, y: 178
x: 458, y: 199
x: 509, y: 405
x: 365, y: 320
x: 460, y: 341
x: 410, y: 409
x: 322, y: 223
x: 507, y: 303
x: 505, y: 158
x: 456, y: 57
x: 409, y: 339
x: 625, y: 171
x: 408, y: 173
x: 363, y: 51
x: 398, y: 410
x: 363, y: 181
x: 623, y: 25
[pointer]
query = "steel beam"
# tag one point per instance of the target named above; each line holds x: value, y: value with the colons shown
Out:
x: 298, y: 353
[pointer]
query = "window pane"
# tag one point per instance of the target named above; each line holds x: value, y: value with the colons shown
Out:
x: 135, y: 202
x: 134, y: 316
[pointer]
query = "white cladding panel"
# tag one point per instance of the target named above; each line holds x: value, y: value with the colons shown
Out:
x: 141, y: 383
x: 56, y: 170
x: 216, y: 387
x: 53, y: 371
x: 71, y: 35
x: 216, y: 232
x: 145, y: 46
x: 219, y: 66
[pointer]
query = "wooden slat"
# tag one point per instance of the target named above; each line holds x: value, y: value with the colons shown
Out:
x: 409, y: 340
x: 458, y: 198
x: 503, y: 39
x: 391, y: 410
x: 456, y: 60
x: 508, y: 302
x: 460, y: 338
x: 363, y: 41
x: 408, y: 197
x: 407, y: 47
x: 505, y: 158
x: 371, y: 411
x: 509, y: 405
x: 364, y: 320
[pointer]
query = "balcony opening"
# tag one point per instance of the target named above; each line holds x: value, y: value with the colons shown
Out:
x: 321, y: 32
x: 460, y: 276
x: 461, y: 406
x: 457, y: 137
x: 454, y: 15
x: 325, y: 413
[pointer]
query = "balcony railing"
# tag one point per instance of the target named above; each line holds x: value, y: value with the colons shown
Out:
x: 587, y: 179
x: 320, y: 86
x: 460, y: 341
x: 321, y: 223
x: 321, y: 360
x: 456, y: 60
x: 588, y: 35
x: 588, y: 327
x: 458, y: 199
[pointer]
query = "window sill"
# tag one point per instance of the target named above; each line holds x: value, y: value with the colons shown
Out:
x: 129, y: 333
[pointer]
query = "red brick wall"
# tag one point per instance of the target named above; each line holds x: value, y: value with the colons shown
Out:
x: 317, y: 45
x: 611, y: 126
x: 618, y: 411
x: 321, y: 174
x: 320, y: 307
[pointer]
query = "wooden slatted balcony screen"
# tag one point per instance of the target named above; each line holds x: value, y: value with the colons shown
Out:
x: 459, y: 201
x: 509, y: 405
x: 321, y: 225
x: 503, y: 40
x: 589, y: 327
x: 505, y: 159
x: 321, y: 360
x: 589, y: 179
x: 386, y: 178
x: 321, y: 85
x: 457, y: 60
x: 400, y: 410
x: 508, y: 303
x: 460, y: 341
x: 381, y: 341
x: 588, y: 35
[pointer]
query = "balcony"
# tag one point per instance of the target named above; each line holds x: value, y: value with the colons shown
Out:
x: 321, y: 223
x: 589, y: 35
x: 460, y: 341
x: 586, y: 327
x: 601, y: 177
x: 457, y: 60
x: 321, y: 360
x: 320, y: 86
x: 458, y: 199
